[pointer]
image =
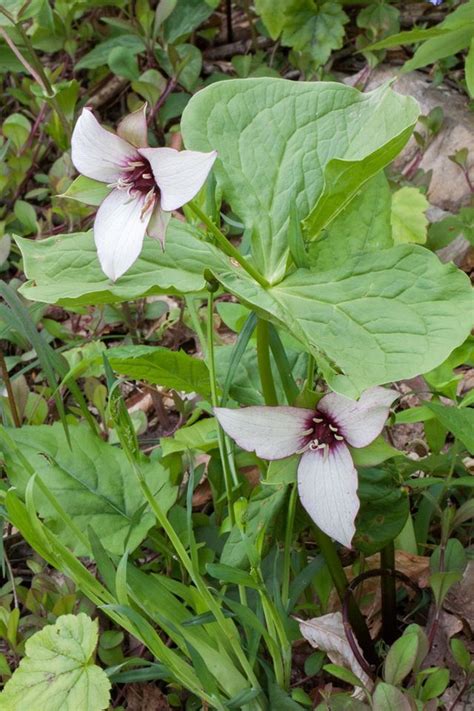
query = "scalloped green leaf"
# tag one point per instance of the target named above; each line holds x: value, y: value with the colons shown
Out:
x: 58, y: 671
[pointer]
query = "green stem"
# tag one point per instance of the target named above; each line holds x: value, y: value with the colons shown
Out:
x: 358, y: 623
x: 10, y: 393
x: 264, y: 365
x: 227, y: 246
x: 290, y: 520
x: 389, y: 594
x: 215, y: 402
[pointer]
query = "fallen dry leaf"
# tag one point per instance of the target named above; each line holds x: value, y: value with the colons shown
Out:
x: 146, y: 697
x: 460, y: 600
x: 327, y: 633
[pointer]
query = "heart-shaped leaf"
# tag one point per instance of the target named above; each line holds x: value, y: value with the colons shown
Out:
x: 58, y: 671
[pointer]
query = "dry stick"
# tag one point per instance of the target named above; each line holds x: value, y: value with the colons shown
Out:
x: 230, y: 29
x: 11, y: 396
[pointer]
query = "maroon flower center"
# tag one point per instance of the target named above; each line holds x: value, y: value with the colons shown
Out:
x: 137, y: 176
x: 322, y: 433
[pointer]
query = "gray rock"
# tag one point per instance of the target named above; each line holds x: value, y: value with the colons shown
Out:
x: 448, y: 189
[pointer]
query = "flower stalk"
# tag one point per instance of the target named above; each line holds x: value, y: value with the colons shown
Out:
x: 214, y: 399
x: 389, y: 594
x: 338, y: 576
x: 227, y: 246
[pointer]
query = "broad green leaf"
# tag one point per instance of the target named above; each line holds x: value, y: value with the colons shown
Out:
x: 123, y: 63
x: 87, y: 190
x: 460, y: 421
x: 408, y: 37
x: 161, y: 366
x: 93, y: 482
x: 343, y: 674
x: 202, y: 435
x: 404, y: 310
x: 98, y: 56
x: 272, y: 13
x: 333, y: 140
x: 187, y: 16
x: 469, y: 69
x: 460, y: 653
x: 435, y: 685
x: 26, y: 215
x: 65, y: 269
x: 383, y: 511
x: 389, y: 698
x: 454, y: 557
x: 58, y: 671
x: 401, y: 658
x: 314, y: 28
x: 408, y: 218
x: 440, y: 47
x: 363, y: 226
x: 375, y: 453
x: 441, y: 584
x: 262, y: 510
x: 187, y: 64
x: 19, y: 10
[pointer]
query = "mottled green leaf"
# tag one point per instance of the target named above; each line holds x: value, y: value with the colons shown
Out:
x: 375, y: 319
x: 93, y: 482
x: 65, y: 269
x: 333, y: 139
x: 363, y: 226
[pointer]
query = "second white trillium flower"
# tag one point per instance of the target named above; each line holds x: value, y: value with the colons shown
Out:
x: 148, y: 183
x: 327, y: 478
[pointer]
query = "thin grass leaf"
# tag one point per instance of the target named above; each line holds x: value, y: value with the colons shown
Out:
x: 283, y: 366
x: 237, y: 353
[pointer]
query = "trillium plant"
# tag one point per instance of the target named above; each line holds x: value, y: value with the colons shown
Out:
x: 304, y: 298
x: 327, y: 478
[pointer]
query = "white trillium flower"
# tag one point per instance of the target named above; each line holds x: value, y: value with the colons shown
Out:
x: 327, y: 478
x: 148, y: 183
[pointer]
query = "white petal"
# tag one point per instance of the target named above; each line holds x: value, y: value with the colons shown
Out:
x: 119, y: 228
x: 179, y: 174
x: 158, y: 224
x: 360, y: 421
x: 270, y: 432
x: 133, y: 128
x: 96, y: 152
x: 327, y: 487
